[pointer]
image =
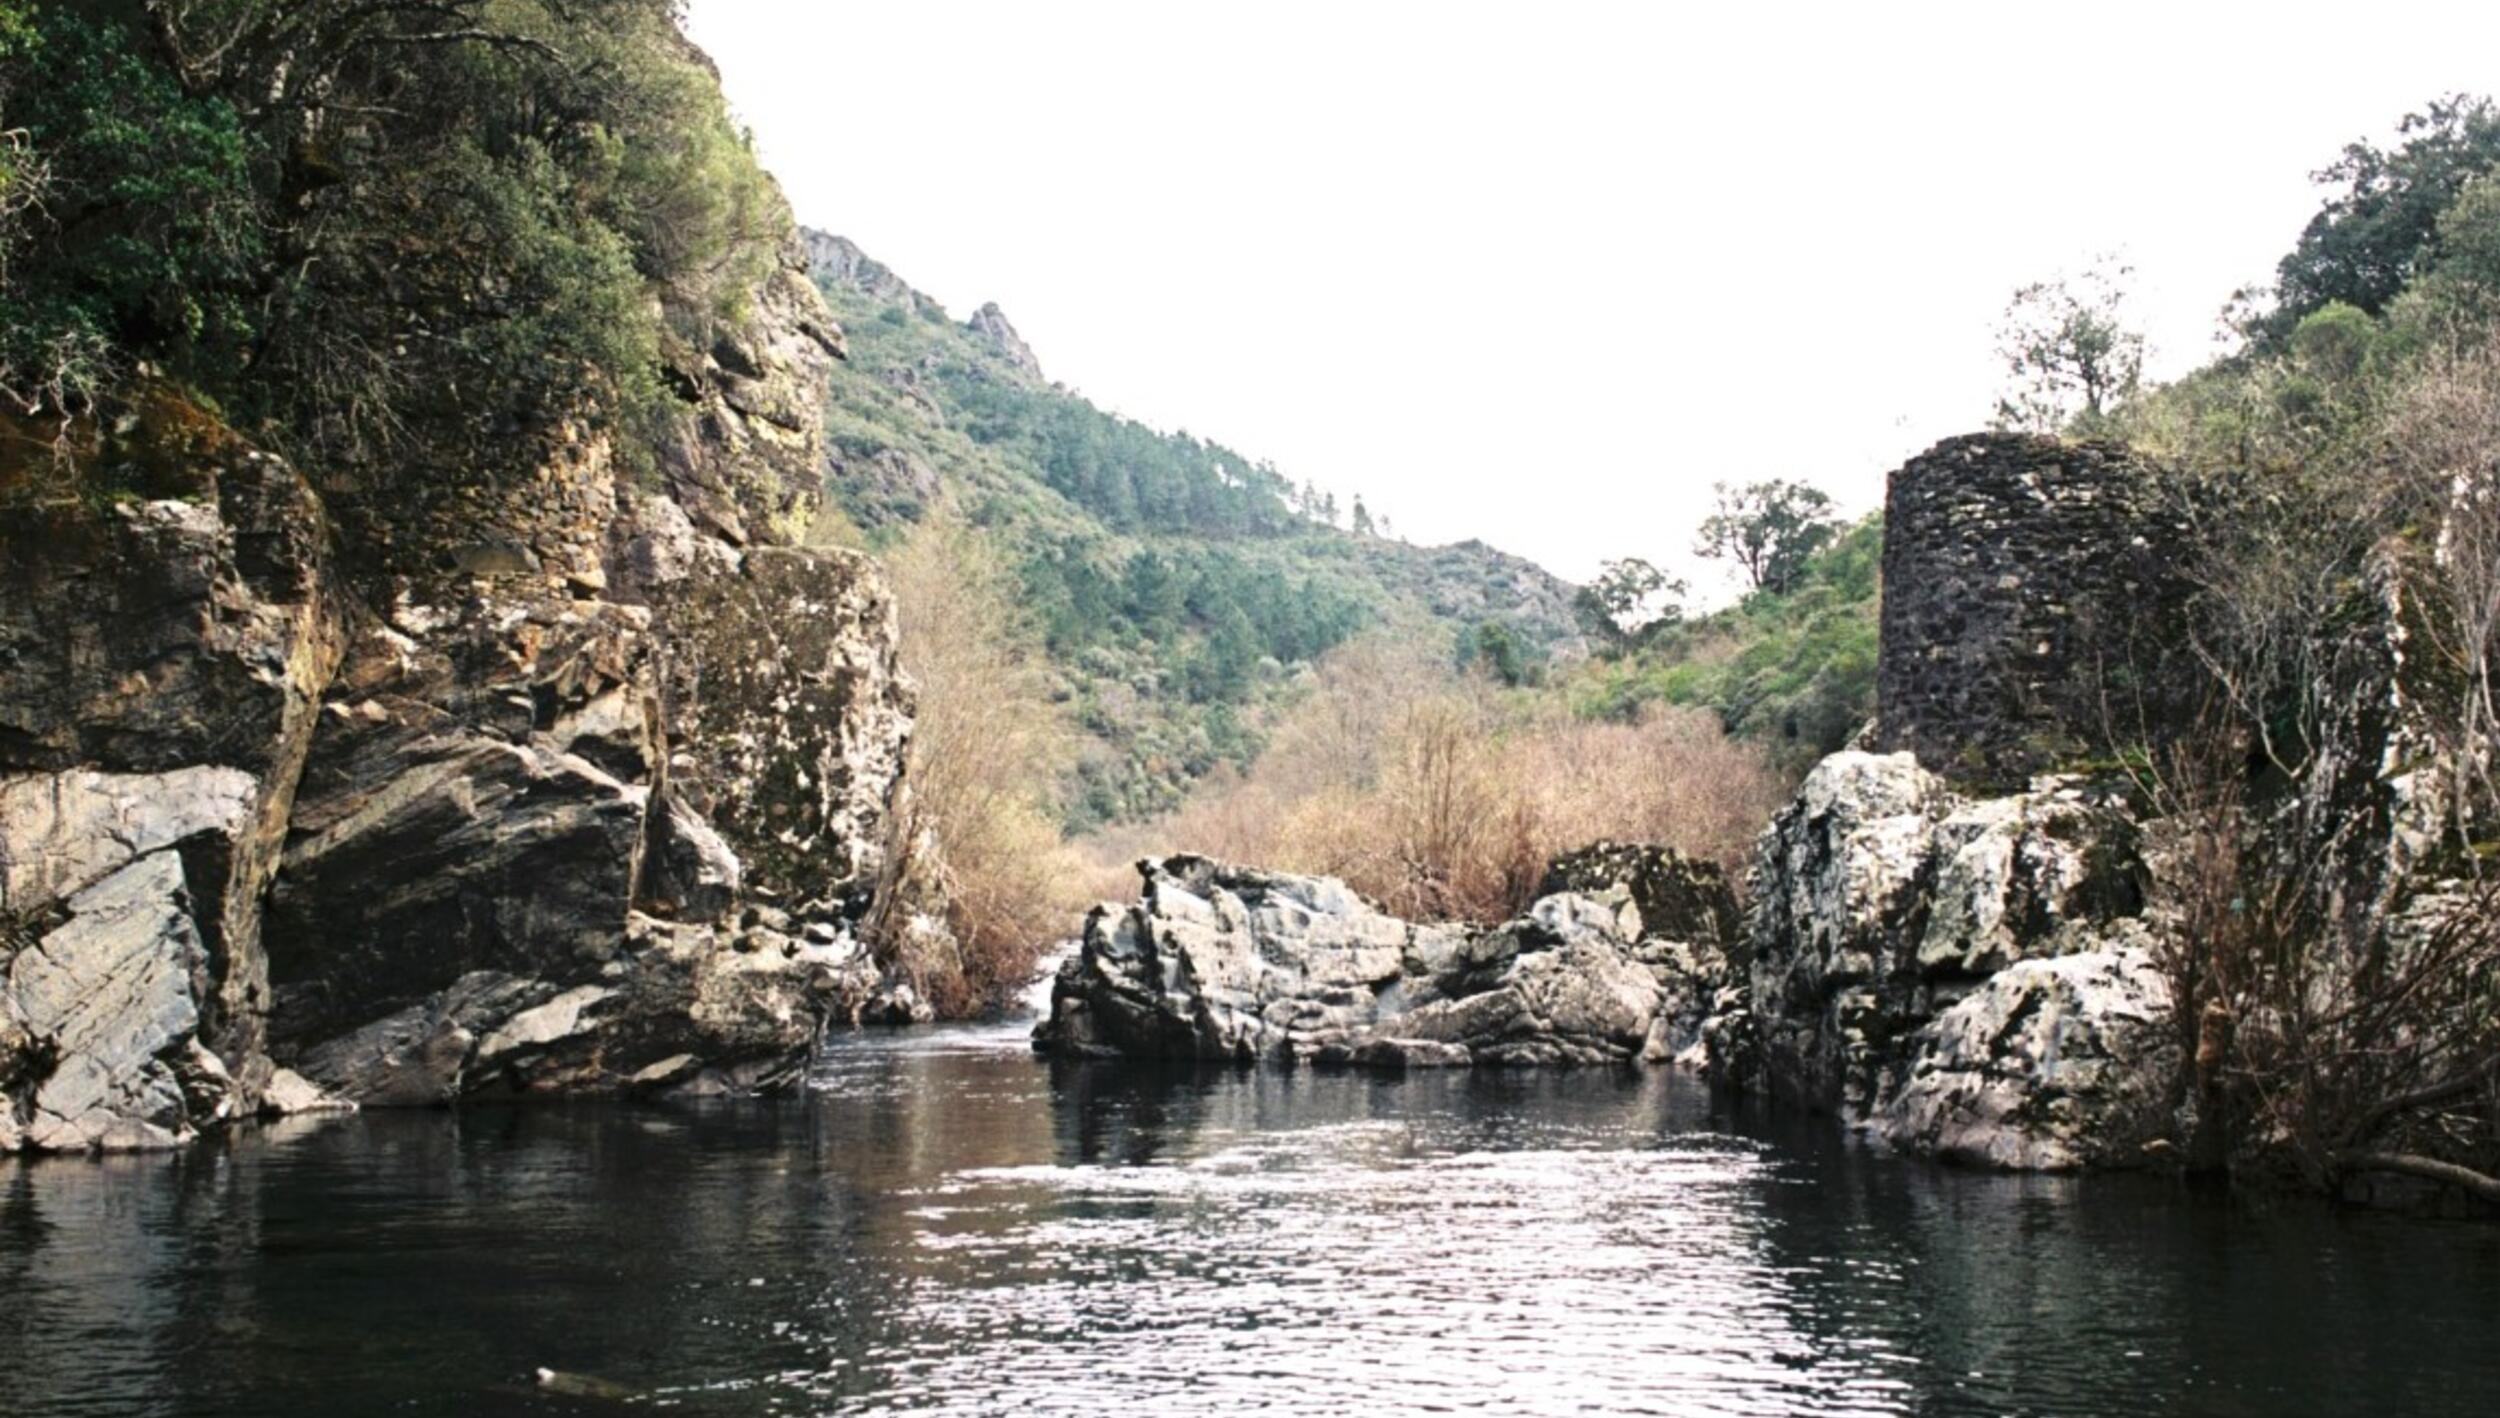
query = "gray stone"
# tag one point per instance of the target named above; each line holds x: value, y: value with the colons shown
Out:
x: 989, y: 325
x: 112, y: 1000
x: 2050, y: 1065
x: 690, y: 869
x: 1226, y: 962
x: 60, y: 831
x: 290, y: 1094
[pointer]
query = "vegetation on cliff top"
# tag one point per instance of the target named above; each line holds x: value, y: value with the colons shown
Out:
x: 335, y: 221
x: 2337, y: 951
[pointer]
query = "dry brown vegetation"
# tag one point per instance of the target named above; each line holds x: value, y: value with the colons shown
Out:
x: 988, y: 749
x: 1443, y: 797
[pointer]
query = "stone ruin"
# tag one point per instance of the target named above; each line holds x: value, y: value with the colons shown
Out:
x: 2032, y: 604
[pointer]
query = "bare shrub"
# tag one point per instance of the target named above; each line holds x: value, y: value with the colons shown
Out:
x: 988, y: 748
x: 2333, y: 931
x: 2445, y: 437
x: 2316, y: 1052
x: 1444, y: 797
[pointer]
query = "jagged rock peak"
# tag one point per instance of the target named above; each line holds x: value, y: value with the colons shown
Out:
x: 837, y: 261
x: 990, y: 323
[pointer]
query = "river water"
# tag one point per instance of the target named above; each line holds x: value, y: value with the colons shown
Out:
x: 947, y: 1225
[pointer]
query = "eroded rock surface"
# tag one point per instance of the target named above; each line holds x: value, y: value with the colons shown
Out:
x: 2052, y: 1064
x: 1907, y: 967
x: 1232, y: 963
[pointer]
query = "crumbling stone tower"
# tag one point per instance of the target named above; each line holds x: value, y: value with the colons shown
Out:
x: 2033, y: 608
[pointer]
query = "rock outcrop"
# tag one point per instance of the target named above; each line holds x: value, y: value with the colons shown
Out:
x: 161, y: 665
x: 1218, y: 962
x: 524, y: 774
x: 1894, y: 939
x: 989, y: 324
x: 1951, y: 944
x: 2051, y: 1064
x: 837, y: 260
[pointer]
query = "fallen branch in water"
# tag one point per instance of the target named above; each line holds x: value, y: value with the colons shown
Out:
x: 2488, y: 1188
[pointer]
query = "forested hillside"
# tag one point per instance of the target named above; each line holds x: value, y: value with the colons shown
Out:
x: 1790, y: 665
x: 1181, y: 589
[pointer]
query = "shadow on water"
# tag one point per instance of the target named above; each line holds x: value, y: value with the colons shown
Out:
x: 947, y: 1225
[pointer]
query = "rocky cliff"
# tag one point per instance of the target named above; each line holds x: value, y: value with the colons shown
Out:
x: 528, y: 773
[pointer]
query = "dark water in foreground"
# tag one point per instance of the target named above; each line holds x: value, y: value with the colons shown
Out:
x: 950, y: 1226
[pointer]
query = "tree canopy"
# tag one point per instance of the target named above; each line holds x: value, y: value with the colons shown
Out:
x: 336, y: 217
x: 2382, y: 226
x: 2068, y: 351
x: 1768, y: 529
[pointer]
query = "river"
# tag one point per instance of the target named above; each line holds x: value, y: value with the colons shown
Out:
x: 945, y: 1224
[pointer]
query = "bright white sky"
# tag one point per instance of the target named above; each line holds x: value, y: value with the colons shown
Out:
x: 1541, y: 272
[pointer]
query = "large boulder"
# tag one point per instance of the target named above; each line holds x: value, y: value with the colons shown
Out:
x: 787, y: 716
x: 1224, y: 962
x: 1684, y: 920
x: 1908, y: 967
x: 108, y: 1007
x: 675, y: 1007
x: 1679, y: 898
x: 2052, y: 1064
x: 1840, y: 903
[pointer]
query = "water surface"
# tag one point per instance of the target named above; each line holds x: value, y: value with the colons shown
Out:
x: 947, y: 1225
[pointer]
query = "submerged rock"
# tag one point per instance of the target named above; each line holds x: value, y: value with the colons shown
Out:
x: 1224, y: 962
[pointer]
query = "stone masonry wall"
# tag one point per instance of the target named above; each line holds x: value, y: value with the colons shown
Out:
x: 2031, y: 606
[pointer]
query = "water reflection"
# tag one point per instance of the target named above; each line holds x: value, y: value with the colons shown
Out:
x: 950, y: 1226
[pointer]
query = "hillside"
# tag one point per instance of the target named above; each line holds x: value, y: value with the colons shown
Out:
x: 1792, y: 669
x: 1181, y: 588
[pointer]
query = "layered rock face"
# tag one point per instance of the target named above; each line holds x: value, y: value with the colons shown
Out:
x: 533, y: 774
x: 161, y: 666
x: 1217, y: 962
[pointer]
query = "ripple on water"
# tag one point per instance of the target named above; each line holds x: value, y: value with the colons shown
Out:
x: 1339, y: 1268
